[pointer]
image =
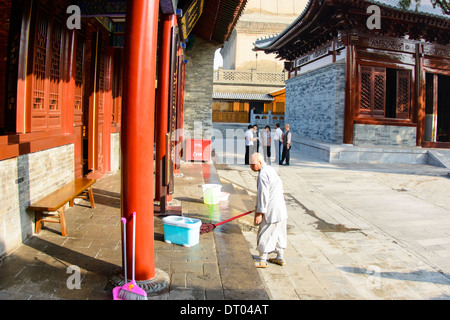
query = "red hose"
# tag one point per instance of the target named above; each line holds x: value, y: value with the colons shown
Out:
x: 238, y: 216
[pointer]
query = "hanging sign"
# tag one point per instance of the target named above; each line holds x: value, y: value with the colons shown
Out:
x: 190, y: 17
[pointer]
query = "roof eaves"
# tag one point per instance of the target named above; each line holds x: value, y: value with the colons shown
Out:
x: 263, y: 44
x: 267, y: 44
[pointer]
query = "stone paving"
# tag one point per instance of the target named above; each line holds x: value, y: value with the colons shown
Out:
x: 218, y: 268
x: 358, y: 231
x: 354, y: 232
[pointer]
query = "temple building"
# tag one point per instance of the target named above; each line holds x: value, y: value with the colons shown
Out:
x: 367, y: 74
x: 247, y: 78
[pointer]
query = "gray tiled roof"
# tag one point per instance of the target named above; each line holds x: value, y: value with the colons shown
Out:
x: 423, y: 8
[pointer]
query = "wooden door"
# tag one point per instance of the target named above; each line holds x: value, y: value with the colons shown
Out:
x: 78, y: 107
x: 96, y: 100
x: 100, y: 106
x: 437, y: 111
x: 46, y: 88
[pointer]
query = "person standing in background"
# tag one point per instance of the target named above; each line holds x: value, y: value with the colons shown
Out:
x: 286, y: 145
x: 248, y: 136
x: 278, y: 136
x: 255, y: 135
x: 266, y: 144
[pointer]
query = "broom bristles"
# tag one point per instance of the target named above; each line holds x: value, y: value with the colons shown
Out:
x: 206, y: 227
x: 129, y: 294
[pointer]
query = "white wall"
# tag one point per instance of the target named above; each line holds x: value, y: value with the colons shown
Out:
x: 261, y: 18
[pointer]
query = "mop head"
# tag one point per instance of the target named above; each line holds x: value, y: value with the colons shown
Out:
x: 206, y: 227
x: 131, y: 291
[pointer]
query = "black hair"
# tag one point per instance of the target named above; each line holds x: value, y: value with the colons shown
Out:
x: 267, y: 127
x: 277, y: 125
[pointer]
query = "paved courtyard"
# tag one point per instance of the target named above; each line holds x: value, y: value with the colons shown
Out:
x: 354, y: 232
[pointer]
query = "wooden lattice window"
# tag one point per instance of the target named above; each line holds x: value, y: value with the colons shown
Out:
x: 366, y: 89
x: 373, y: 87
x: 55, y: 67
x: 101, y: 78
x: 46, y: 99
x: 379, y: 91
x: 403, y: 94
x: 79, y: 67
x: 384, y: 92
x: 12, y: 67
x: 39, y: 73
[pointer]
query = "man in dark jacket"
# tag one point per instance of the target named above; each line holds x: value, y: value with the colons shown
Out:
x: 286, y: 145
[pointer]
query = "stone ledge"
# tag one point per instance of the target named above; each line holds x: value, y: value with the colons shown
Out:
x: 343, y: 153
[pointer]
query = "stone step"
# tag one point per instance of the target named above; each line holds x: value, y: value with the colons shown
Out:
x: 441, y: 157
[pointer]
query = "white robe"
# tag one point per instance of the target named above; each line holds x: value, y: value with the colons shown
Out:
x: 272, y: 233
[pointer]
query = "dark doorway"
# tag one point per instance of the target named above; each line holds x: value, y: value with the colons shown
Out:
x: 443, y: 108
x: 257, y: 107
x: 437, y: 110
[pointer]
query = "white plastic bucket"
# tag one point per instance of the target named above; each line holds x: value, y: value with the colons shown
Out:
x: 211, y: 193
x: 211, y: 185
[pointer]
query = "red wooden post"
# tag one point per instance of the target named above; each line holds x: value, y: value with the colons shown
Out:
x: 138, y: 130
x: 23, y: 118
x: 419, y: 95
x: 162, y: 104
x: 70, y: 49
x: 108, y: 101
x: 180, y: 102
x: 183, y: 81
x: 350, y: 92
x: 92, y: 104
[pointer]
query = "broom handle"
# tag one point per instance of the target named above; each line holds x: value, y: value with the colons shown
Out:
x: 124, y: 221
x: 242, y: 214
x: 134, y: 241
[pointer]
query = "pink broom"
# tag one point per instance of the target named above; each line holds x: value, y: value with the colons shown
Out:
x: 130, y: 290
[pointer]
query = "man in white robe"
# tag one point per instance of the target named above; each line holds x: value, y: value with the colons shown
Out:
x: 271, y: 212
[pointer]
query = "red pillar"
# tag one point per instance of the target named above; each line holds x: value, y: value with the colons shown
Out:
x: 108, y: 102
x: 350, y: 91
x: 180, y: 107
x: 162, y: 102
x: 183, y: 81
x: 69, y: 86
x: 23, y: 119
x: 138, y: 131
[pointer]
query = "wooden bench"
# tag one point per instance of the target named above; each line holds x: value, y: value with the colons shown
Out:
x: 56, y: 201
